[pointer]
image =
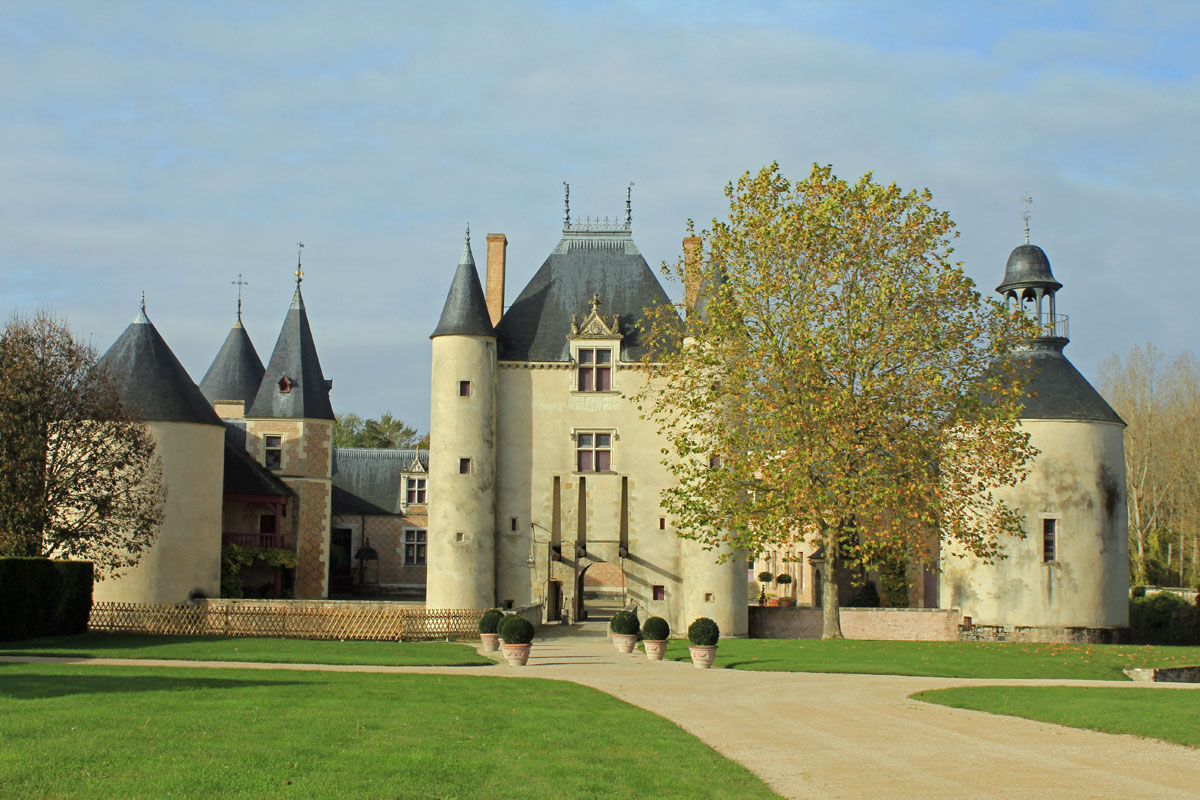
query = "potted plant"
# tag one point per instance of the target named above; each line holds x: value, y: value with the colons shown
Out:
x: 516, y: 633
x: 655, y: 633
x: 764, y: 578
x: 703, y: 634
x: 785, y: 580
x: 489, y: 623
x: 624, y: 627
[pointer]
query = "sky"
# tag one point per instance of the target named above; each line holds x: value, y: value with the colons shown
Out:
x: 170, y: 148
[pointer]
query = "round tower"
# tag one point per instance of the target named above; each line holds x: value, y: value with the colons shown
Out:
x: 1072, y: 568
x: 714, y: 590
x: 462, y: 449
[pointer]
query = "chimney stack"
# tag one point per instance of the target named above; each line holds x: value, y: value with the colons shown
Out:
x: 497, y: 244
x: 692, y: 254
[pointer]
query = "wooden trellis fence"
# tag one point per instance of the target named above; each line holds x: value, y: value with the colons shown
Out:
x: 295, y: 620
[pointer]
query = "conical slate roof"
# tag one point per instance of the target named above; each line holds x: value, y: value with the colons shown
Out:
x: 151, y: 382
x: 236, y: 372
x: 1057, y: 390
x: 465, y: 312
x: 304, y: 393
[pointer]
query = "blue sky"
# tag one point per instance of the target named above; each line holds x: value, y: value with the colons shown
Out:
x: 167, y: 148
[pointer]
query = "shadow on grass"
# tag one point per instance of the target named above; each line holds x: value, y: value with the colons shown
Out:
x: 98, y: 641
x: 38, y: 687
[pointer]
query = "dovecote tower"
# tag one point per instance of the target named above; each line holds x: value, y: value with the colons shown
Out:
x: 1072, y: 568
x: 185, y: 559
x: 462, y: 450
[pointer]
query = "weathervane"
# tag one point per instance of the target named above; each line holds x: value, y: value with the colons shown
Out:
x: 566, y: 204
x: 143, y: 301
x: 1025, y: 215
x: 468, y: 234
x: 299, y: 273
x: 628, y: 206
x: 239, y: 283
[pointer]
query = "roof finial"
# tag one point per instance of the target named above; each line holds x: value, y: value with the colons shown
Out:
x: 239, y: 283
x: 1025, y: 215
x: 628, y: 207
x: 595, y: 300
x: 566, y: 205
x: 468, y: 234
x: 143, y: 301
x: 299, y: 273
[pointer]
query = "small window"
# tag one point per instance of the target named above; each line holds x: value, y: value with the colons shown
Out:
x: 512, y: 523
x: 460, y: 537
x: 414, y: 490
x: 662, y: 523
x: 714, y: 462
x: 274, y: 451
x: 285, y: 384
x: 464, y: 466
x: 594, y: 370
x: 414, y: 548
x: 1049, y: 540
x: 593, y: 452
x: 660, y: 592
x: 709, y: 597
x: 464, y: 388
x: 267, y: 523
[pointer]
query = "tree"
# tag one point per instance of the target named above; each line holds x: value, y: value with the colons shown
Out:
x: 78, y: 478
x: 841, y: 384
x: 387, y: 432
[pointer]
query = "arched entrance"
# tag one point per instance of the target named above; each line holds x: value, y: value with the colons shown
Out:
x: 599, y: 589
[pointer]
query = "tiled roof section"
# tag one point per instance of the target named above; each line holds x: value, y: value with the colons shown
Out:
x: 244, y: 475
x: 465, y: 312
x: 294, y: 358
x: 588, y: 260
x: 151, y: 382
x: 236, y: 372
x: 370, y: 481
x: 1058, y: 390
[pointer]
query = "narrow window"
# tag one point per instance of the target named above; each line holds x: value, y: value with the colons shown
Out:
x: 274, y: 452
x: 414, y: 490
x: 512, y: 523
x: 464, y: 388
x: 464, y: 466
x: 1049, y: 540
x: 595, y: 370
x: 662, y: 523
x: 414, y: 548
x: 660, y: 592
x: 593, y: 452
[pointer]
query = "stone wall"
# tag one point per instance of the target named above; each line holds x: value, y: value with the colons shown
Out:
x: 898, y: 624
x: 1042, y: 634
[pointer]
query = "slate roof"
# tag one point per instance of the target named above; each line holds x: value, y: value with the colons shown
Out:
x: 371, y: 481
x: 587, y: 260
x: 243, y: 474
x: 1057, y: 389
x: 236, y: 372
x: 151, y: 382
x: 465, y: 312
x: 294, y: 357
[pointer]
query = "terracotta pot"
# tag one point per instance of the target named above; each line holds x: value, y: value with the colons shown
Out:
x: 491, y: 642
x: 517, y: 654
x: 702, y: 657
x: 655, y: 650
x: 772, y: 602
x: 787, y: 602
x: 624, y: 643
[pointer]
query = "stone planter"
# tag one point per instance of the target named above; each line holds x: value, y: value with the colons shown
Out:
x: 702, y: 657
x: 624, y: 643
x: 517, y: 654
x: 491, y: 642
x: 655, y: 650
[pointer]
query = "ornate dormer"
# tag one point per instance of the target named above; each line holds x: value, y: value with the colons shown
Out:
x: 595, y: 344
x: 595, y: 326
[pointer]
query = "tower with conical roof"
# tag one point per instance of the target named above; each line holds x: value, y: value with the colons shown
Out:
x: 185, y: 559
x: 1072, y: 568
x: 462, y: 449
x: 233, y: 380
x: 289, y: 430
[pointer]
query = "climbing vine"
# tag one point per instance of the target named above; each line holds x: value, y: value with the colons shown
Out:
x: 235, y: 557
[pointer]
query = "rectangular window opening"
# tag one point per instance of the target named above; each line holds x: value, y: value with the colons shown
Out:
x: 414, y: 548
x: 593, y: 452
x: 594, y: 373
x: 274, y: 452
x: 464, y: 466
x: 709, y: 597
x: 414, y: 491
x: 512, y: 523
x: 460, y: 537
x: 1049, y: 540
x: 464, y: 388
x: 662, y: 523
x: 660, y: 592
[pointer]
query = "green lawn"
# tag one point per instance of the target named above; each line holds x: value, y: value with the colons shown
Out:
x: 133, y: 732
x: 942, y: 659
x: 215, y: 648
x: 1170, y: 714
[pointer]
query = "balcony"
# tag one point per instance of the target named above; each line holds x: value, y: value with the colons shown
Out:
x: 252, y: 539
x: 1049, y: 325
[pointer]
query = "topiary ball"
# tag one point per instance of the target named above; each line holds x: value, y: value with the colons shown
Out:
x: 490, y: 621
x: 516, y: 630
x: 783, y: 579
x: 703, y: 632
x: 656, y: 629
x: 624, y: 623
x: 765, y: 577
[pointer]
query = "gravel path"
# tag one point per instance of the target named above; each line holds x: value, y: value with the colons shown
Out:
x: 841, y: 736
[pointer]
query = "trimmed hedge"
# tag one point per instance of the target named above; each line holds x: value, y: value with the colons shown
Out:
x: 40, y: 597
x: 490, y: 621
x: 1163, y: 618
x: 656, y: 629
x: 703, y: 632
x: 624, y: 623
x: 516, y: 630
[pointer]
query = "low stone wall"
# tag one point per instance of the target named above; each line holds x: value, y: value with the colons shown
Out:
x: 896, y: 624
x: 1164, y: 675
x: 1042, y: 635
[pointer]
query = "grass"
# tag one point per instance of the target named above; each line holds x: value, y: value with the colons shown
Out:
x: 134, y: 732
x: 942, y: 659
x: 1168, y: 714
x: 215, y: 648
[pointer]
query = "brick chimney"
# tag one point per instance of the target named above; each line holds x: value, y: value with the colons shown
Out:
x: 692, y: 254
x: 497, y: 245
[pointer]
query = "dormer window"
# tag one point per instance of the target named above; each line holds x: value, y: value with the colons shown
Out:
x: 594, y: 370
x: 285, y: 384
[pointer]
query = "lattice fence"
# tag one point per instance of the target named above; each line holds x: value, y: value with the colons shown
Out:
x: 321, y: 620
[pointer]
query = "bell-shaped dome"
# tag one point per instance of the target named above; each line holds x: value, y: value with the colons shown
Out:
x: 1028, y: 266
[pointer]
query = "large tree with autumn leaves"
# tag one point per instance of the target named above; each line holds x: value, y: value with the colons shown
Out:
x: 837, y: 381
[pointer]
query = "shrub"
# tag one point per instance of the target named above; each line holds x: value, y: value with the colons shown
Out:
x: 76, y: 606
x: 784, y: 579
x: 40, y: 597
x: 1164, y: 618
x: 490, y: 621
x: 516, y: 630
x: 656, y: 629
x: 866, y: 596
x: 1137, y: 591
x: 624, y: 623
x: 703, y: 632
x: 765, y: 577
